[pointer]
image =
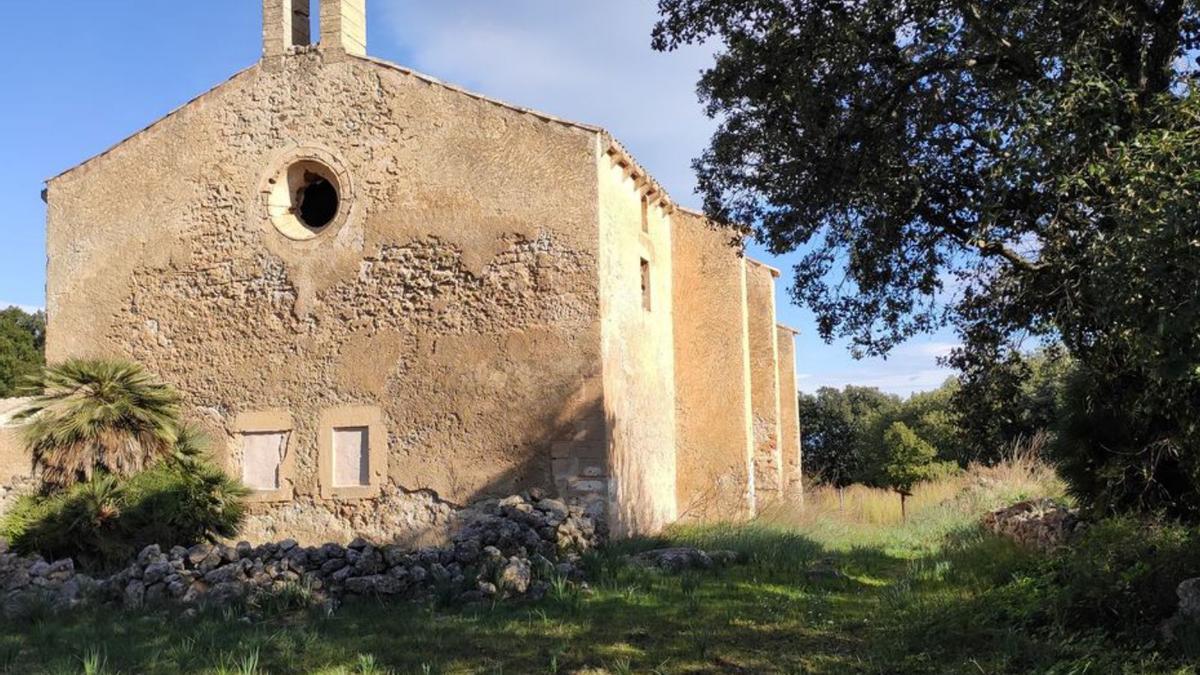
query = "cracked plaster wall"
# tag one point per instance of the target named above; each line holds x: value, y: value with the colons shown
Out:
x: 712, y: 372
x: 789, y: 415
x: 461, y: 296
x: 639, y: 356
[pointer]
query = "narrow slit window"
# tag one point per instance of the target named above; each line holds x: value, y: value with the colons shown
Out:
x: 351, y: 457
x: 645, y: 284
x: 645, y: 214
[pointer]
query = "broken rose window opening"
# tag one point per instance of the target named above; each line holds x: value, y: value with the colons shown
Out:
x: 316, y: 201
x: 306, y: 197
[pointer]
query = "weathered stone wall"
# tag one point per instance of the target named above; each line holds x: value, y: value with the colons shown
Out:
x: 502, y: 548
x: 460, y: 298
x: 764, y: 383
x: 638, y: 348
x: 789, y: 415
x: 16, y: 465
x: 712, y: 372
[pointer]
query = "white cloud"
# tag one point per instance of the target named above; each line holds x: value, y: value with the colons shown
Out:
x: 932, y: 350
x: 589, y: 62
x: 24, y: 308
x: 902, y: 381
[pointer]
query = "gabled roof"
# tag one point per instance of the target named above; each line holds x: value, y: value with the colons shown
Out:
x: 614, y: 148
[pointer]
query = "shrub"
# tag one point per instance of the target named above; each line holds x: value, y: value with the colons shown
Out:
x: 104, y: 521
x: 98, y: 415
x: 1120, y: 576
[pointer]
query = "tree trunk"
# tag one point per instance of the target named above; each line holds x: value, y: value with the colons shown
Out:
x: 903, y: 509
x: 841, y: 498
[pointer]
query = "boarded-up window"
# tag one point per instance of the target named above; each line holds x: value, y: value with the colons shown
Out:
x: 262, y: 455
x: 645, y: 284
x: 351, y: 457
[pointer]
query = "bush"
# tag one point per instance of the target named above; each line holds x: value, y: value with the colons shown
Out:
x: 1120, y: 576
x: 1127, y: 442
x: 103, y: 522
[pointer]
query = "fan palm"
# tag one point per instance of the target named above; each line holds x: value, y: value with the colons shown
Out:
x: 105, y: 415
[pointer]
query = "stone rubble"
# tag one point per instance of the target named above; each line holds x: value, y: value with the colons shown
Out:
x: 1041, y: 524
x: 505, y: 548
x: 679, y: 559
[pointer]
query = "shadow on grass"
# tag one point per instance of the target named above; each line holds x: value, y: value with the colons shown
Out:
x: 792, y: 606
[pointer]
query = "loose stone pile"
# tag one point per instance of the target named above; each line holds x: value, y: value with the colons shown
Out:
x: 505, y: 548
x: 1041, y: 524
x: 680, y: 559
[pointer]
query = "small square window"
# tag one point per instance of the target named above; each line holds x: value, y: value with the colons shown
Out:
x: 259, y: 452
x: 351, y: 452
x: 351, y: 457
x: 645, y: 284
x: 262, y: 457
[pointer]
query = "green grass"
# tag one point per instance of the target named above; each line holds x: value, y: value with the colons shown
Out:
x: 929, y: 595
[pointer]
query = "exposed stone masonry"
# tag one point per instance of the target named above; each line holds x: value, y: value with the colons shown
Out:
x: 504, y: 548
x: 479, y: 295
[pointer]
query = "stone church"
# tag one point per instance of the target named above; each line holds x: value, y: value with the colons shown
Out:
x: 386, y: 297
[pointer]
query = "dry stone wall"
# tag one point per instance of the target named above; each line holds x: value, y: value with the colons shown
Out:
x: 502, y: 548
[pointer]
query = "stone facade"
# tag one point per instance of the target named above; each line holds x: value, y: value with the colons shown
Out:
x: 389, y: 296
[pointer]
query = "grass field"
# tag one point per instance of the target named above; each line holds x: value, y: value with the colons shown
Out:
x: 835, y: 587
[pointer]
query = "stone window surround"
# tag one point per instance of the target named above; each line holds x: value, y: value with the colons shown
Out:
x: 370, y: 417
x: 267, y: 421
x: 277, y: 169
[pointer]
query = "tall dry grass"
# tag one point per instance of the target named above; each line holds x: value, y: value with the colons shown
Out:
x: 1022, y: 474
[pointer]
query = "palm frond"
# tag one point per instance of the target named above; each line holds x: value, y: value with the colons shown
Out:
x: 106, y: 415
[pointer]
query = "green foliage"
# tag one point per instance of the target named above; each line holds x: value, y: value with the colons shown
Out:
x: 103, y: 521
x: 1042, y: 156
x: 844, y: 431
x: 833, y: 421
x: 1010, y: 399
x: 908, y: 459
x: 900, y: 143
x: 929, y: 415
x: 1120, y: 576
x: 22, y: 348
x: 106, y: 415
x: 1129, y: 438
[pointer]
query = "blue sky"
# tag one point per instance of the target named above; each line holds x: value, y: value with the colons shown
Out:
x: 81, y: 75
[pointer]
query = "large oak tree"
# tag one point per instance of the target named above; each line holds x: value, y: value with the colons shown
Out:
x: 1017, y: 168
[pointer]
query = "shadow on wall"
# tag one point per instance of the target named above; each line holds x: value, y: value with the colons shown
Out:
x: 566, y: 459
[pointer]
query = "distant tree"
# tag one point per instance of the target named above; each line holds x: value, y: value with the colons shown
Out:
x: 22, y: 347
x: 930, y: 415
x: 832, y: 421
x: 907, y: 461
